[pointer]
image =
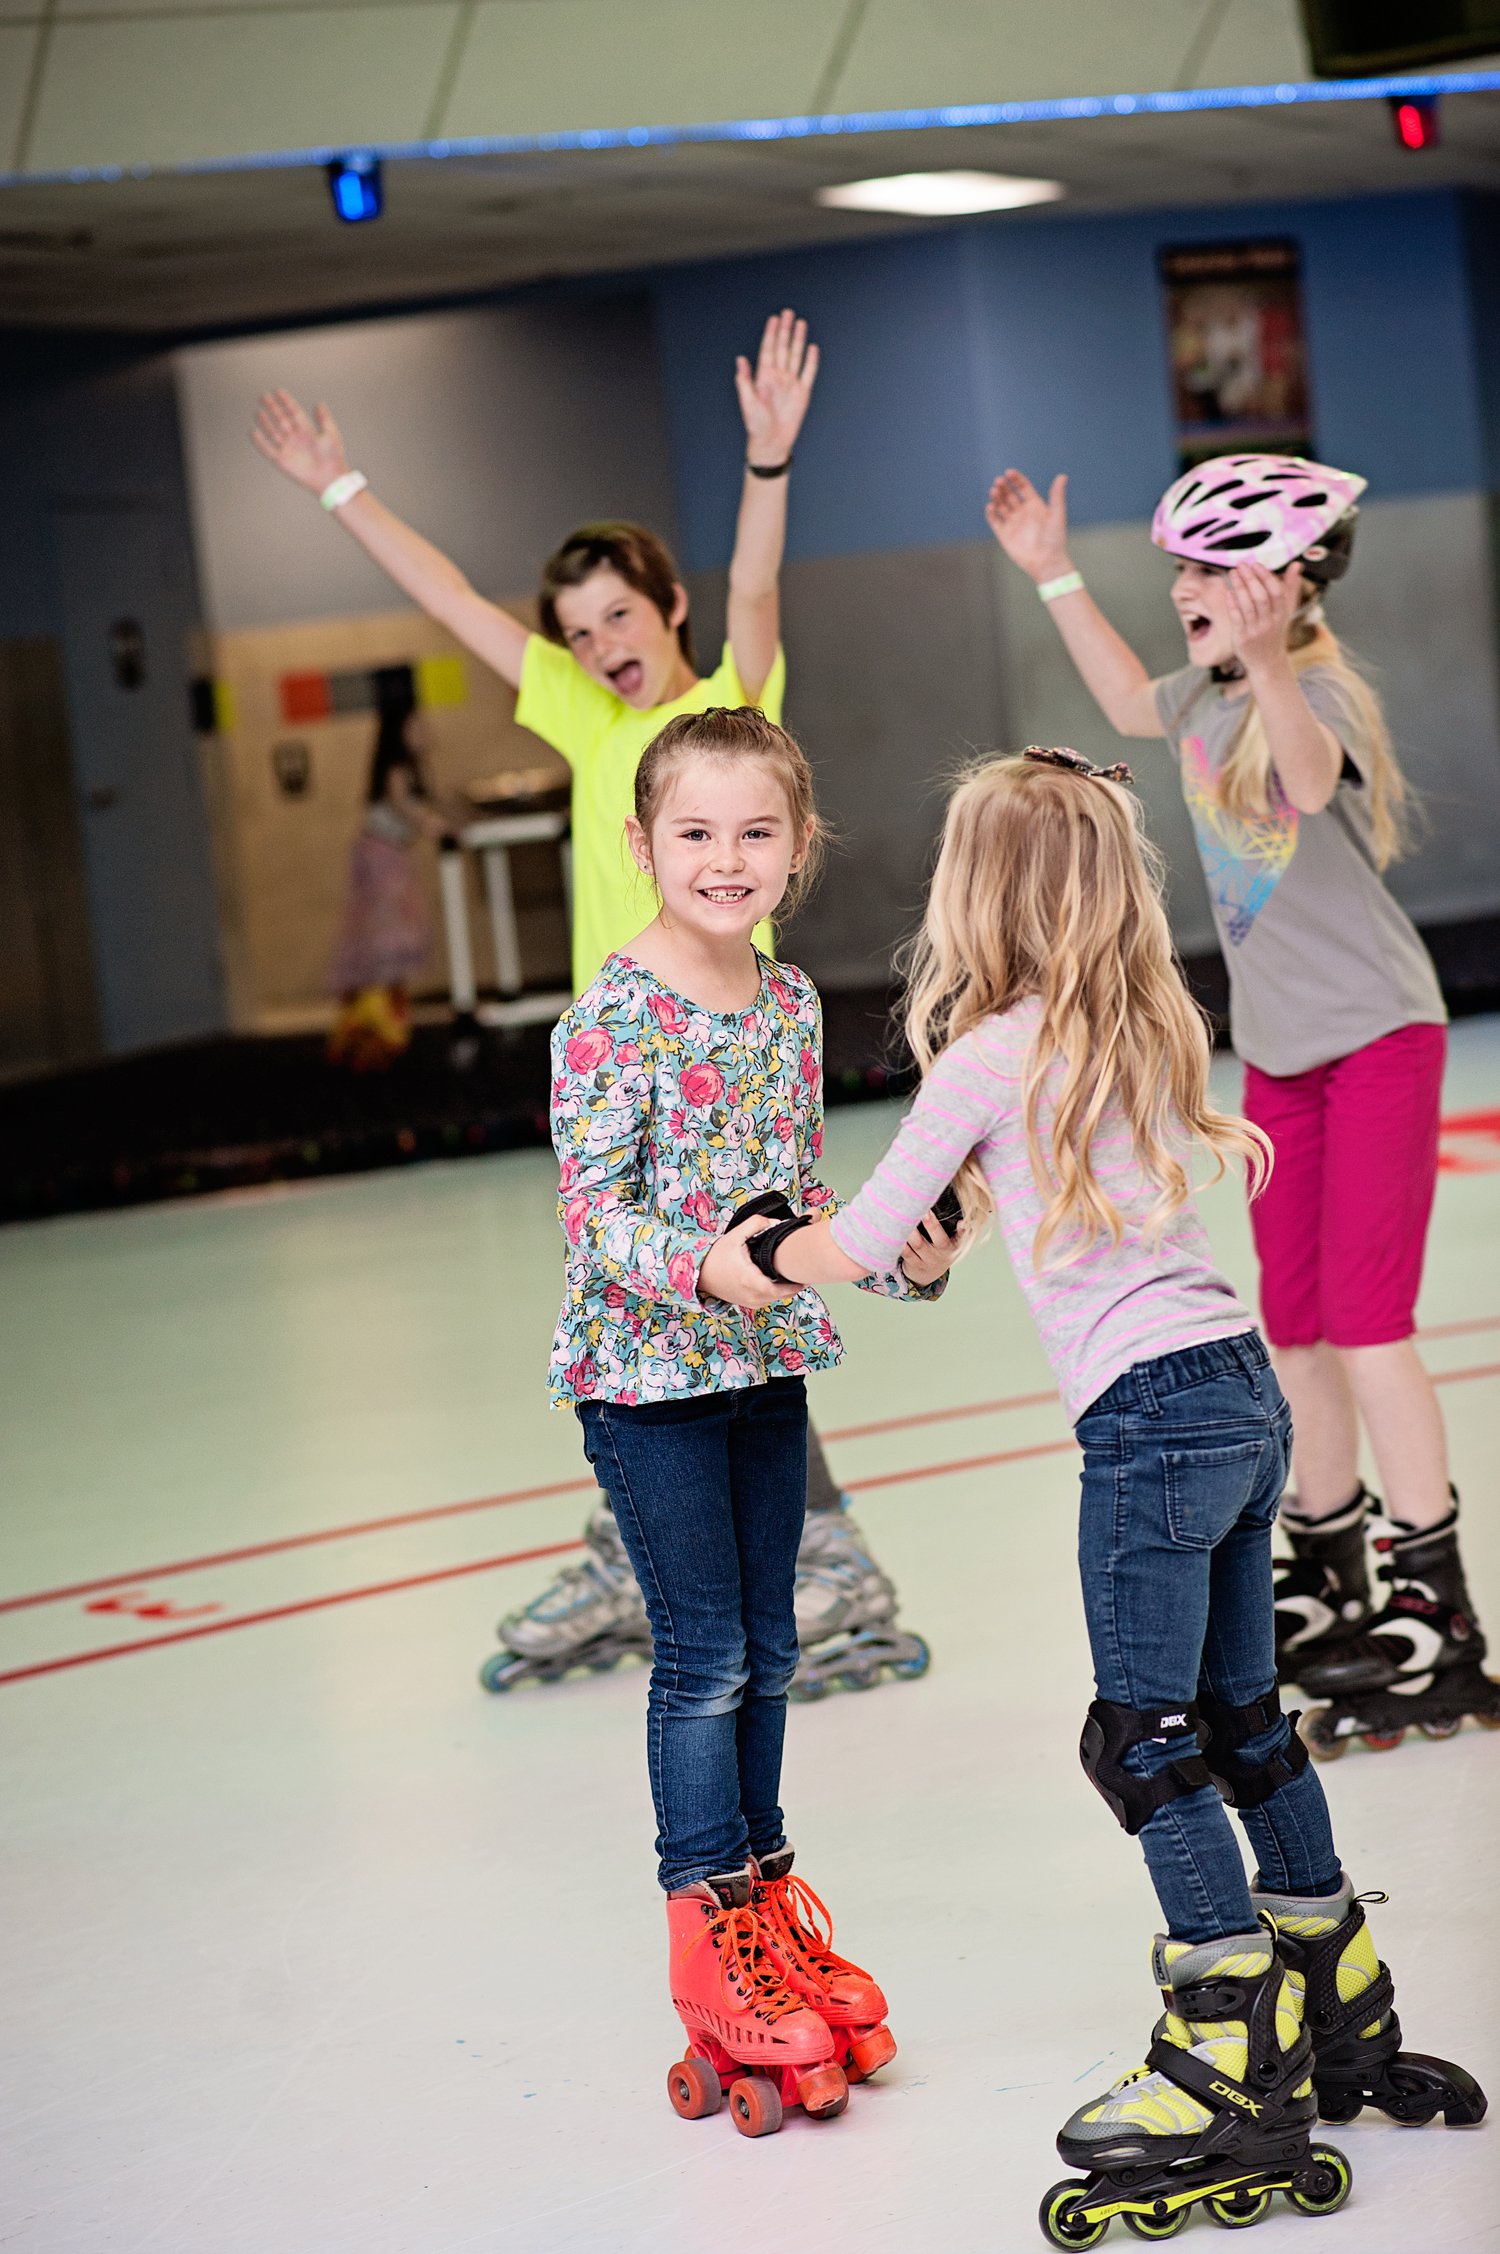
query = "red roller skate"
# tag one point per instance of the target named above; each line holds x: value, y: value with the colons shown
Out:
x: 798, y: 1930
x: 748, y: 2032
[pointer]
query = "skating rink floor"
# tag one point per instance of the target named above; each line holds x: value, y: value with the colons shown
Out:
x: 280, y: 1875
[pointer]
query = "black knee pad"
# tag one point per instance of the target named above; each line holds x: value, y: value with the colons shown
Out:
x: 1111, y: 1731
x: 1248, y: 1784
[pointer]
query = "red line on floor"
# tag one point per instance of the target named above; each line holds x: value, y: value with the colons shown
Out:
x: 453, y: 1572
x: 549, y: 1549
x: 968, y: 1463
x: 285, y: 1611
x: 941, y: 1416
x: 295, y: 1542
x: 579, y: 1486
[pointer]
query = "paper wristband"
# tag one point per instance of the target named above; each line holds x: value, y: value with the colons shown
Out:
x: 1069, y: 584
x: 342, y: 489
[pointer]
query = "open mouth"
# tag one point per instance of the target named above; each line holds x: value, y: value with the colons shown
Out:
x: 627, y: 679
x: 724, y: 895
x: 1195, y: 625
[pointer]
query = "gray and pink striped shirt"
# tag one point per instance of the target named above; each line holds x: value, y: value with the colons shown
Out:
x: 1098, y: 1315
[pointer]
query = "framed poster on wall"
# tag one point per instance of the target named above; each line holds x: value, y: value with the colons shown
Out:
x: 1237, y: 349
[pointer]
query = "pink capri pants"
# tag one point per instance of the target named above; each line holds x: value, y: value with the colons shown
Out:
x: 1343, y: 1226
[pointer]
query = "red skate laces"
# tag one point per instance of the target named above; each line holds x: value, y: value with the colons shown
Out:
x: 738, y: 1933
x: 805, y: 1927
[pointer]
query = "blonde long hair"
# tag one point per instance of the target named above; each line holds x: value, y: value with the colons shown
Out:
x: 1046, y: 885
x: 1244, y: 786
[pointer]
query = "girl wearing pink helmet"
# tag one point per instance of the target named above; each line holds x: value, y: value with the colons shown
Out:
x: 1296, y: 800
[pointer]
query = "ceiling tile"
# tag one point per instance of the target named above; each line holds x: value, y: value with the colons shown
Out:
x: 538, y: 66
x: 161, y: 90
x: 937, y: 51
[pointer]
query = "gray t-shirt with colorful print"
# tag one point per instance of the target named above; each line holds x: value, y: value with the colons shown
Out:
x: 1321, y: 959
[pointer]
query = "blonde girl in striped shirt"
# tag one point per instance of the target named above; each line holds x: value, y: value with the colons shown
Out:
x: 1065, y: 1086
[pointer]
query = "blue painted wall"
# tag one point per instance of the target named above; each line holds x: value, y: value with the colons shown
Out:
x: 1481, y: 215
x: 950, y: 355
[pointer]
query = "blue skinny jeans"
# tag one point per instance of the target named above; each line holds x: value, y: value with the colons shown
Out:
x: 1184, y: 1461
x: 709, y: 1495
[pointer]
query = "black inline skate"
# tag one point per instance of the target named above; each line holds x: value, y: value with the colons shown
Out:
x: 1420, y: 1661
x: 1221, y: 2112
x: 1322, y: 1591
x: 1348, y: 2008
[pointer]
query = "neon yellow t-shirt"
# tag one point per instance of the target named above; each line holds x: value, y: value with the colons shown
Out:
x: 602, y: 738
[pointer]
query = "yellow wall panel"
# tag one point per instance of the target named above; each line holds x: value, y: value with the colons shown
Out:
x: 284, y: 860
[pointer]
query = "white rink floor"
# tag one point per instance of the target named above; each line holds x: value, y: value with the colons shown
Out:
x: 272, y: 1894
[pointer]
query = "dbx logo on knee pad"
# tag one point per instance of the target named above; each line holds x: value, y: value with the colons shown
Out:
x: 1113, y: 1731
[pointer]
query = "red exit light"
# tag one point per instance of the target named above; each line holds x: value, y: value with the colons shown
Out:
x: 1416, y: 119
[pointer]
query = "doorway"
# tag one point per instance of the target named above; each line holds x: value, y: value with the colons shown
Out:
x: 127, y: 612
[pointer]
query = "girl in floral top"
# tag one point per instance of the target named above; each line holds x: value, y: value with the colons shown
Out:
x: 687, y: 1081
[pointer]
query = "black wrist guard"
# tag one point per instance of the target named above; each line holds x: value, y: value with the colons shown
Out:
x: 948, y: 1211
x: 763, y: 1246
x: 774, y: 1204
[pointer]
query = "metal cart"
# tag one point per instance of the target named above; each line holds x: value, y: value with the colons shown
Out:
x: 492, y: 838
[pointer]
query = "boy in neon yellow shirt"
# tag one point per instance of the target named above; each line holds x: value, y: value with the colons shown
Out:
x: 611, y: 604
x: 614, y: 662
x: 602, y: 739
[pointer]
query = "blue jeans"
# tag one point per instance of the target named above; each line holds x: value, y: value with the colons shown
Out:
x: 1184, y: 1461
x: 709, y: 1496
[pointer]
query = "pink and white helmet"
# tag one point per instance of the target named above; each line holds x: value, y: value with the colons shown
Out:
x: 1262, y: 508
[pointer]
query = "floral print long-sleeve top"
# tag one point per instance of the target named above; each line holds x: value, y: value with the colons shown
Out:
x: 665, y: 1119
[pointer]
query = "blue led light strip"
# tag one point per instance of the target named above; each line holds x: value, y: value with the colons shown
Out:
x: 803, y: 128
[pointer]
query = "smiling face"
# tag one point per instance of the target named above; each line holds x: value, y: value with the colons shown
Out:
x: 622, y: 641
x: 722, y: 848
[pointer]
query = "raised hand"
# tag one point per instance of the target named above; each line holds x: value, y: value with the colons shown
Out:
x: 1033, y: 532
x: 306, y: 448
x: 1261, y: 607
x: 774, y: 397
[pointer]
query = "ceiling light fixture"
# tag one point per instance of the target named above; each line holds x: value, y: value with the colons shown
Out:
x: 942, y: 195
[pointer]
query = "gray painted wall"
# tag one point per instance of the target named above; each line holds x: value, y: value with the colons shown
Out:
x: 89, y: 433
x: 902, y: 664
x: 893, y: 680
x: 494, y: 432
x: 1416, y: 610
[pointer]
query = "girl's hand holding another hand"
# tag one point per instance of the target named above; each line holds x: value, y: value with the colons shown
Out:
x: 730, y: 1274
x: 1261, y: 607
x: 1033, y: 532
x: 929, y: 1252
x: 306, y: 448
x: 773, y: 399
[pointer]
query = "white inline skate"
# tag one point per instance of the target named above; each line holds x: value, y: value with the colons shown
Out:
x: 592, y: 1615
x: 846, y: 1612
